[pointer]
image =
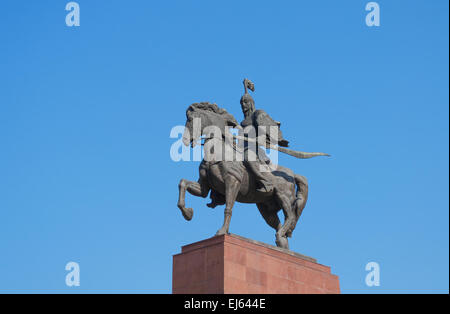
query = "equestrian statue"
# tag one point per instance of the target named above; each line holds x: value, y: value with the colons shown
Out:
x: 235, y: 168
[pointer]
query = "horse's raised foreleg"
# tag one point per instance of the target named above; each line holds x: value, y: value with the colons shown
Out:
x: 232, y: 187
x: 194, y: 188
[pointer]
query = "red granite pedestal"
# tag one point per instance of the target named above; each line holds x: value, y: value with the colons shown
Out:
x: 233, y: 264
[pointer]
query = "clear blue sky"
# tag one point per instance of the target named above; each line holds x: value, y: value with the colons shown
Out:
x: 85, y: 117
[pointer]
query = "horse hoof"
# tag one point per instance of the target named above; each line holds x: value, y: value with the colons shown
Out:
x: 188, y: 213
x: 221, y: 232
x: 282, y: 242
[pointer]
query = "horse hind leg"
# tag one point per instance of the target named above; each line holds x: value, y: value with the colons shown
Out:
x: 289, y: 221
x: 270, y: 214
x: 300, y: 199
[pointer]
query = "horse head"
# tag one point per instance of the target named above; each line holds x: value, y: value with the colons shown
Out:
x: 203, y: 116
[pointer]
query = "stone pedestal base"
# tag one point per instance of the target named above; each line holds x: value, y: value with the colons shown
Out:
x: 233, y: 264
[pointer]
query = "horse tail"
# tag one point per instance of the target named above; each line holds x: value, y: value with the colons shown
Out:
x: 301, y: 197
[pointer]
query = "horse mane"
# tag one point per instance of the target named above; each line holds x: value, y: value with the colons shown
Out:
x: 214, y: 108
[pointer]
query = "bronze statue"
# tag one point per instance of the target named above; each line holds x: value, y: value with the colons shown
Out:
x: 240, y: 179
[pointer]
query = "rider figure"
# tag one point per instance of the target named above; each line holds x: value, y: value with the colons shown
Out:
x: 248, y: 109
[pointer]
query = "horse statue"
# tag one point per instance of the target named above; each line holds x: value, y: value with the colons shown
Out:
x: 228, y: 181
